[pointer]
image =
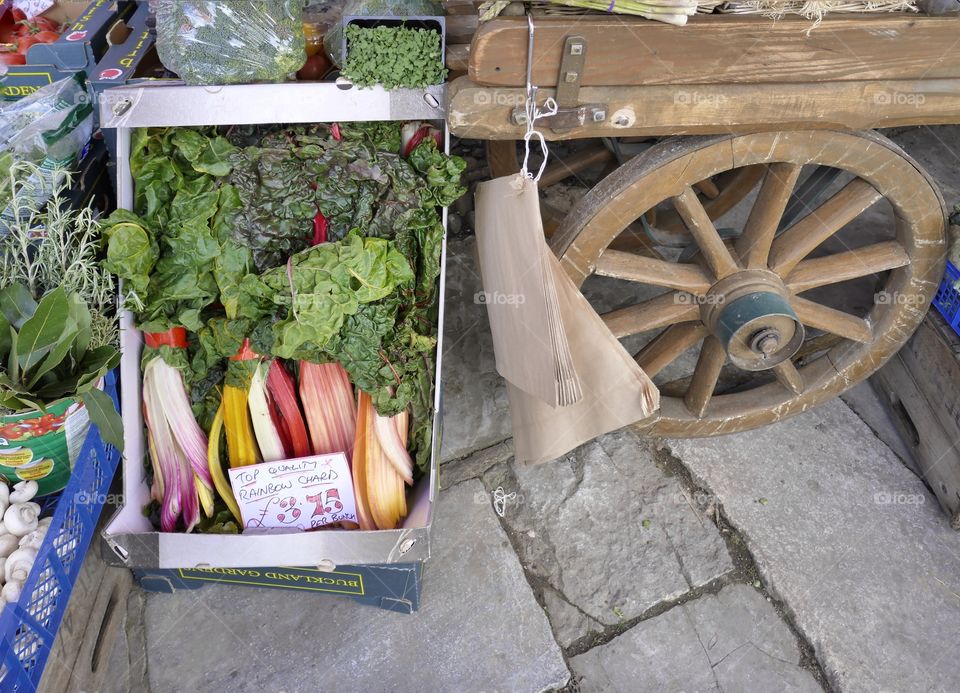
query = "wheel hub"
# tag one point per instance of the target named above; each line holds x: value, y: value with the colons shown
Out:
x: 750, y: 313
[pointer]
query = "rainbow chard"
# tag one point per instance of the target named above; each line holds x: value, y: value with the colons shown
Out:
x: 286, y: 410
x: 329, y: 406
x: 265, y: 429
x: 414, y: 133
x: 178, y: 448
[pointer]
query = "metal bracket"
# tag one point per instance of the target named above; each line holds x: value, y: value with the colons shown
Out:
x: 571, y: 114
x: 571, y: 71
x: 566, y: 118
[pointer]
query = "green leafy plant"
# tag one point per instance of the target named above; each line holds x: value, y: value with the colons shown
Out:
x: 57, y: 332
x: 46, y: 355
x: 393, y: 56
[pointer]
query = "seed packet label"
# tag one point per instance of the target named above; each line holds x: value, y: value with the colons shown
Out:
x: 305, y: 493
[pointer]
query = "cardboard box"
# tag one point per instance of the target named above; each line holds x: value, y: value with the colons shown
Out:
x: 132, y: 55
x: 394, y: 588
x: 129, y: 534
x: 82, y: 44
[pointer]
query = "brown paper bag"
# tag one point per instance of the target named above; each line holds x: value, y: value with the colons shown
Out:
x: 529, y: 339
x: 614, y: 391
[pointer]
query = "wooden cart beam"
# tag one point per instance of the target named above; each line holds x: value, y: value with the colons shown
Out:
x: 487, y: 112
x: 721, y: 49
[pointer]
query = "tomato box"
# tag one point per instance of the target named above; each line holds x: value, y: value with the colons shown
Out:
x: 129, y: 533
x: 132, y: 55
x: 82, y: 44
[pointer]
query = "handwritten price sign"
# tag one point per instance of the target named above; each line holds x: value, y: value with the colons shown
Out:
x: 306, y: 493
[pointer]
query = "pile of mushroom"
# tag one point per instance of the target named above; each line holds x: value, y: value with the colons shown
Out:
x: 21, y: 533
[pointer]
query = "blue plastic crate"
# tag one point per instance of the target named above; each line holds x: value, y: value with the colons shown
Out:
x: 29, y: 627
x: 947, y: 298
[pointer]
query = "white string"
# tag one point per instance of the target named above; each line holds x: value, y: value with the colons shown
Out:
x: 500, y: 499
x: 533, y: 113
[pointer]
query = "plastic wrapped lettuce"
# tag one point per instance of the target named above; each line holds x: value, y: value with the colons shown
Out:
x: 236, y: 42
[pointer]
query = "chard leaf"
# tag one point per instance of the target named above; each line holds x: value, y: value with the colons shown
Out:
x: 214, y: 157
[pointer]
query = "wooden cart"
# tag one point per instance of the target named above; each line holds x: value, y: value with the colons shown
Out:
x: 770, y: 111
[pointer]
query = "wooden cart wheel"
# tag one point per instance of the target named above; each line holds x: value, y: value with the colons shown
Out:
x: 740, y: 300
x: 719, y: 195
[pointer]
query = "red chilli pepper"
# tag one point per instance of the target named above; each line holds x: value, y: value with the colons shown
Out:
x: 320, y: 227
x: 175, y: 337
x: 335, y: 131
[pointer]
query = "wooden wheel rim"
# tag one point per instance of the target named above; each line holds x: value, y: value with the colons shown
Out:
x: 667, y: 169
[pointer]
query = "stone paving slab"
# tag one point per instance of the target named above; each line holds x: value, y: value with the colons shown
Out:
x: 731, y: 641
x: 608, y: 532
x: 475, y: 408
x: 478, y: 628
x: 849, y: 539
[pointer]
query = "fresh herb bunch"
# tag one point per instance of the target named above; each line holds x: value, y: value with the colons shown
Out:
x: 394, y: 57
x: 50, y: 244
x: 58, y: 333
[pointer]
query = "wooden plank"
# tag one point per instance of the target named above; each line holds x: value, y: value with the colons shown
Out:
x: 485, y: 112
x: 721, y: 49
x: 906, y: 392
x: 458, y: 57
x: 91, y: 625
x: 461, y: 27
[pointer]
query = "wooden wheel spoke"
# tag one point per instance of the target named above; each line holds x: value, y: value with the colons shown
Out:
x: 799, y: 240
x: 667, y: 347
x: 666, y: 309
x: 698, y: 222
x: 851, y: 264
x: 831, y: 320
x: 789, y: 376
x: 637, y: 268
x: 708, y: 188
x: 753, y: 246
x: 705, y: 376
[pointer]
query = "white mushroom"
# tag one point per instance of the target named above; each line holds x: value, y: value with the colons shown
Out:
x: 46, y: 522
x: 3, y: 562
x: 23, y: 491
x: 11, y: 591
x: 4, y: 496
x: 21, y: 518
x: 8, y: 544
x: 18, y: 565
x: 33, y: 540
